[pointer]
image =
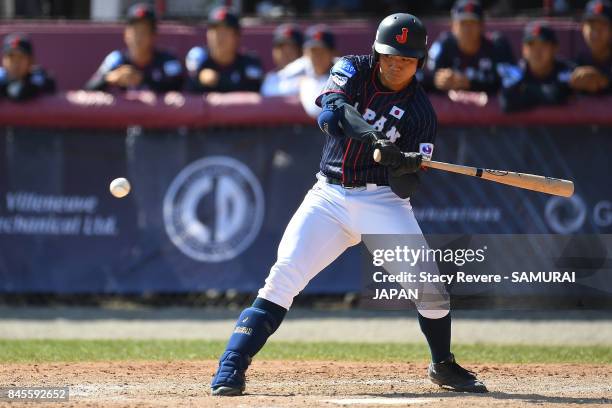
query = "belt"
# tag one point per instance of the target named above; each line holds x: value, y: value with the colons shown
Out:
x: 356, y: 184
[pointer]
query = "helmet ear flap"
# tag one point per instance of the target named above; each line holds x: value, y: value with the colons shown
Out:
x: 374, y: 54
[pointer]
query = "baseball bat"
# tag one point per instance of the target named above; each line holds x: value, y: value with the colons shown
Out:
x: 548, y: 185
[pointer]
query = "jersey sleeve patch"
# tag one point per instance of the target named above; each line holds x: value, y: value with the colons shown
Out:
x: 344, y: 67
x: 434, y: 50
x: 38, y: 78
x: 510, y: 74
x: 195, y: 58
x: 564, y: 76
x: 253, y: 72
x: 112, y: 61
x: 426, y: 150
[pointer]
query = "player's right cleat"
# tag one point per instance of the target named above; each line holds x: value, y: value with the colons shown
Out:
x: 449, y: 374
x: 230, y: 378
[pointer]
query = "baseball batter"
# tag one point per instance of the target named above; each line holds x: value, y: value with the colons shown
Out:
x: 370, y: 102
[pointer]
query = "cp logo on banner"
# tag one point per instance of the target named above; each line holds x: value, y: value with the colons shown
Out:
x: 213, y: 209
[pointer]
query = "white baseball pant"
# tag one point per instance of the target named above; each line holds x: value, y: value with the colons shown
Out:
x: 329, y: 220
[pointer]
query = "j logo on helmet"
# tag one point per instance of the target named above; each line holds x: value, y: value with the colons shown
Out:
x: 403, y: 37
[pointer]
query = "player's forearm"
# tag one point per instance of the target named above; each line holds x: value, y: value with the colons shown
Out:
x: 554, y: 95
x: 520, y: 96
x: 170, y: 84
x: 536, y: 94
x: 22, y: 90
x: 252, y: 85
x: 489, y: 85
x: 341, y: 119
x: 96, y: 83
x: 49, y: 86
x: 193, y: 85
x: 224, y: 84
x: 512, y: 100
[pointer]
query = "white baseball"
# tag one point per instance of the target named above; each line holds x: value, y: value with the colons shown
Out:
x: 120, y: 187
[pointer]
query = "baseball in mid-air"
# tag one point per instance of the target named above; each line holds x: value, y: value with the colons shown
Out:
x: 120, y: 187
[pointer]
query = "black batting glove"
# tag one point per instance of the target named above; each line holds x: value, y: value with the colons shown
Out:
x: 410, y: 163
x: 390, y: 154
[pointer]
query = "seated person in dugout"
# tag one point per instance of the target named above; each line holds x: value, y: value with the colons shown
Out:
x: 20, y: 78
x: 320, y: 50
x: 540, y: 78
x: 220, y: 66
x: 593, y: 72
x: 307, y: 75
x: 465, y: 58
x: 286, y: 48
x: 142, y: 66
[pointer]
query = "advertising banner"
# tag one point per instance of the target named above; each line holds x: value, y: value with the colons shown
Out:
x: 208, y: 207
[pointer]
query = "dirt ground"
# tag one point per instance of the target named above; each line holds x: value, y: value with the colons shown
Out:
x: 310, y: 384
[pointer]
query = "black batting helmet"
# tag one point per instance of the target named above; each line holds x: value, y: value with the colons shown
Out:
x: 401, y: 34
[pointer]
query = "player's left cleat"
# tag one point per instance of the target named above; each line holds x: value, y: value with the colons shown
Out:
x: 230, y: 378
x: 449, y: 374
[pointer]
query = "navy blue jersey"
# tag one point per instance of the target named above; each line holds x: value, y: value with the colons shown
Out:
x: 605, y: 67
x: 482, y: 68
x: 405, y: 117
x: 521, y: 90
x: 164, y: 73
x: 35, y: 83
x: 244, y: 74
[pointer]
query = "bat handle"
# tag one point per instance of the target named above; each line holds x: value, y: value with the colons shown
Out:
x: 377, y: 156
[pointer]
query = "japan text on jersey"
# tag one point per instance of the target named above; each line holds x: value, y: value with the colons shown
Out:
x: 405, y: 117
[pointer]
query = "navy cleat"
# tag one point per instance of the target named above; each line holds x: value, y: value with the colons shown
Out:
x: 229, y: 380
x: 449, y: 374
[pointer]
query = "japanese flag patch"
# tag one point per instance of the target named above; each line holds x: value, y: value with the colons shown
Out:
x: 426, y: 149
x: 396, y: 112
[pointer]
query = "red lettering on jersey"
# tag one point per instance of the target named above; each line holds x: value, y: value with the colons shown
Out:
x: 403, y: 37
x: 599, y: 7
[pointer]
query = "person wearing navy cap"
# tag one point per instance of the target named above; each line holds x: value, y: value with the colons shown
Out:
x: 593, y: 73
x: 320, y: 50
x: 540, y: 78
x: 220, y: 66
x: 307, y: 75
x: 287, y: 44
x: 465, y: 58
x: 286, y: 48
x: 20, y: 78
x: 142, y: 66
